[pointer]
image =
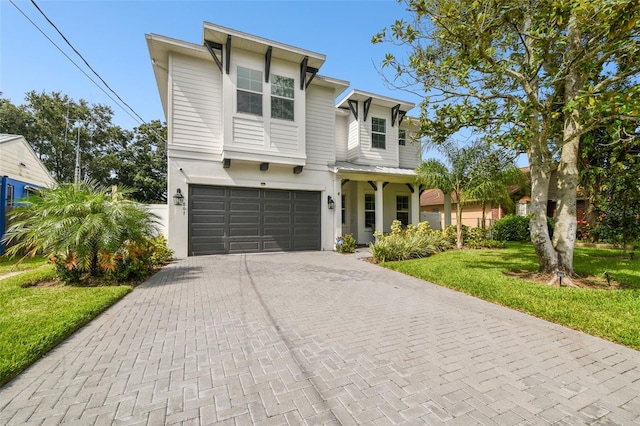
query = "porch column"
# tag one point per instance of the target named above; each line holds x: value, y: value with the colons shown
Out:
x: 337, y: 213
x: 379, y: 207
x: 447, y: 209
x: 415, y: 205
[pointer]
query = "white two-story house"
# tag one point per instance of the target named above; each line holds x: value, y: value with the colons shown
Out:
x: 261, y: 157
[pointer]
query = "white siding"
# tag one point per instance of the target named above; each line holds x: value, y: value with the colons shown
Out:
x: 18, y: 161
x: 321, y: 116
x: 410, y: 153
x: 341, y: 138
x: 284, y: 137
x: 374, y: 156
x: 248, y: 132
x: 196, y: 108
x: 353, y: 145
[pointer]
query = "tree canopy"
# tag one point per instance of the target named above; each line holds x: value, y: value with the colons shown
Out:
x: 54, y: 124
x: 530, y: 75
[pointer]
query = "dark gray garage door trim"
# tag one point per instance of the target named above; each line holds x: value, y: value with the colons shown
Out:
x: 252, y: 220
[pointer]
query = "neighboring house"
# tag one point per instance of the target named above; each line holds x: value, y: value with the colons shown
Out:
x: 434, y: 209
x: 21, y: 172
x: 262, y: 158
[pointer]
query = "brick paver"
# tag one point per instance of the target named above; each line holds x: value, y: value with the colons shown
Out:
x: 320, y: 338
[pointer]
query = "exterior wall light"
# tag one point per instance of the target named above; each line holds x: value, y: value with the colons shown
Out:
x: 178, y: 198
x: 331, y: 203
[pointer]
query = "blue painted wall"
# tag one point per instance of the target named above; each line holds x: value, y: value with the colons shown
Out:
x: 19, y: 192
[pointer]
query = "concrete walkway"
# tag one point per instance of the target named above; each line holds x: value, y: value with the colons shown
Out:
x: 320, y: 338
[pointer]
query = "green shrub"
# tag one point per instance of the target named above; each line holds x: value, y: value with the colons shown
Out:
x: 413, y: 242
x: 136, y: 260
x: 516, y: 228
x: 512, y: 228
x: 451, y: 233
x: 346, y: 244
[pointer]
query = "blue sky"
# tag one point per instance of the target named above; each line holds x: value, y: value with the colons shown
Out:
x: 110, y: 35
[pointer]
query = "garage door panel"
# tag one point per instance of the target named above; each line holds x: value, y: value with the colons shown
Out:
x: 244, y: 206
x: 244, y: 231
x: 272, y: 194
x: 252, y: 193
x: 244, y: 246
x: 208, y: 219
x: 248, y: 220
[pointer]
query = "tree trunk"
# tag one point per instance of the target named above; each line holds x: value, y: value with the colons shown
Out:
x: 459, y: 241
x: 540, y: 167
x: 564, y: 234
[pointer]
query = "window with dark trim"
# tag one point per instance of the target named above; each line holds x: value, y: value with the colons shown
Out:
x: 369, y: 211
x: 344, y: 209
x: 282, y: 94
x: 249, y: 91
x: 378, y: 133
x: 402, y: 209
x: 9, y: 195
x: 402, y: 137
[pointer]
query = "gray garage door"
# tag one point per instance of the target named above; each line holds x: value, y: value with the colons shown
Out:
x: 251, y: 220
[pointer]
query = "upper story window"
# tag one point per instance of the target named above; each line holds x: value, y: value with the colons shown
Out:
x: 402, y: 137
x: 378, y: 133
x: 282, y: 93
x: 249, y: 91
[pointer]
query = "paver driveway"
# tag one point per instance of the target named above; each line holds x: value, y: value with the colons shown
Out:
x: 317, y: 338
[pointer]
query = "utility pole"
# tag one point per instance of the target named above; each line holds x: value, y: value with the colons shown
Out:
x: 76, y: 172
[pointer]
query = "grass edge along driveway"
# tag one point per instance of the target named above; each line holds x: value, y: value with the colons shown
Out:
x: 610, y: 314
x: 34, y: 320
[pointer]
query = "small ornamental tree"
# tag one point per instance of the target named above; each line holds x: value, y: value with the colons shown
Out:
x: 75, y: 225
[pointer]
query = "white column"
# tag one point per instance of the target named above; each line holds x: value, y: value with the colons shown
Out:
x: 337, y: 213
x: 379, y: 207
x: 415, y: 205
x: 447, y: 209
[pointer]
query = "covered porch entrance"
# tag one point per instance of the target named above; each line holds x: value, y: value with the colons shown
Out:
x: 371, y: 198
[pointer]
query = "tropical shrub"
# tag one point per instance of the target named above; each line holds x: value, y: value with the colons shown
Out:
x: 346, y: 244
x: 451, y: 233
x: 516, y: 228
x: 78, y: 226
x: 412, y: 242
x: 512, y: 228
x: 478, y: 238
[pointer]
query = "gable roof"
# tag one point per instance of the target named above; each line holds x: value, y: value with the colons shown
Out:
x: 20, y: 162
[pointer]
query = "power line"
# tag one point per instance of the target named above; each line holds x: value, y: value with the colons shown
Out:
x: 72, y: 61
x: 85, y: 61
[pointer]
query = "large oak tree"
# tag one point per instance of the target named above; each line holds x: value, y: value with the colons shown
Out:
x: 531, y: 75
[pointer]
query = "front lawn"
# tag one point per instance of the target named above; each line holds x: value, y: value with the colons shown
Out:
x: 33, y: 320
x: 610, y: 314
x: 8, y: 265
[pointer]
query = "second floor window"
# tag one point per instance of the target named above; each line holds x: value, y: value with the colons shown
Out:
x: 378, y: 133
x: 249, y: 91
x: 402, y: 137
x: 282, y: 93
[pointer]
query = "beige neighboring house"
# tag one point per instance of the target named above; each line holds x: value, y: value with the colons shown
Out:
x: 263, y: 155
x: 21, y: 172
x: 434, y: 209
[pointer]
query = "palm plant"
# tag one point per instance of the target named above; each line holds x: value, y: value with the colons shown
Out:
x: 473, y: 173
x: 77, y: 222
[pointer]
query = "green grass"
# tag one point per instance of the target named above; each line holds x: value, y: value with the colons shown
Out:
x: 610, y: 314
x: 33, y: 320
x: 11, y: 265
